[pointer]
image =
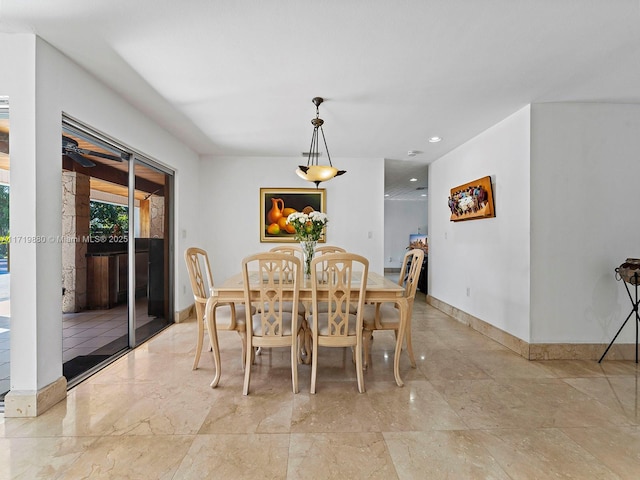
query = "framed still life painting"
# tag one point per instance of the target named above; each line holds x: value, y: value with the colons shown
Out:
x: 276, y: 204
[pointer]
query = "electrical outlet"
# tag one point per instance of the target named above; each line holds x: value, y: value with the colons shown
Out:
x: 468, y: 291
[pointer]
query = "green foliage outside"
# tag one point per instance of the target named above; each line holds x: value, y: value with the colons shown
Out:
x: 108, y: 219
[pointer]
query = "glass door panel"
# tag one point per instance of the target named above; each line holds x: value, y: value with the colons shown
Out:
x: 117, y: 252
x: 153, y: 307
x: 95, y: 224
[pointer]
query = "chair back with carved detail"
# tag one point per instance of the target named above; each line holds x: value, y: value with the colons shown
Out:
x: 201, y: 281
x: 223, y: 316
x: 323, y: 249
x: 289, y: 250
x: 272, y: 279
x: 339, y: 280
x: 410, y: 273
x: 386, y: 316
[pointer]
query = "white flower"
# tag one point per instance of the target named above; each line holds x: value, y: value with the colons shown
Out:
x: 308, y: 227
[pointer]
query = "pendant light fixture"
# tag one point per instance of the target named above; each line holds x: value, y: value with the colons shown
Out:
x: 313, y: 172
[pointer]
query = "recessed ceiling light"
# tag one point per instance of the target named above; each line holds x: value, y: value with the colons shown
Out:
x: 435, y: 139
x: 423, y: 195
x: 386, y: 194
x: 413, y: 179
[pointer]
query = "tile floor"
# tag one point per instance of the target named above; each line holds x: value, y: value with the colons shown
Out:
x: 472, y: 409
x: 83, y: 333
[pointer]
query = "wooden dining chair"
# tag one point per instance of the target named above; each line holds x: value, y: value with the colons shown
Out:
x: 338, y: 275
x: 226, y: 316
x: 321, y: 250
x: 386, y: 316
x: 296, y: 252
x: 322, y: 306
x: 290, y: 249
x: 305, y: 339
x: 274, y: 276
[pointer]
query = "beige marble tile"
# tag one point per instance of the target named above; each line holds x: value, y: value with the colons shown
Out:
x: 541, y: 453
x: 616, y: 447
x: 558, y: 404
x: 236, y: 456
x: 441, y: 454
x: 424, y: 341
x: 619, y: 393
x: 380, y: 369
x: 339, y: 456
x: 336, y: 407
x: 472, y: 409
x: 507, y: 364
x: 485, y: 403
x: 519, y: 403
x: 416, y: 406
x: 621, y: 367
x: 40, y: 458
x: 162, y: 410
x: 468, y: 341
x: 131, y: 458
x: 90, y: 409
x: 450, y: 365
x: 572, y: 368
x: 260, y: 412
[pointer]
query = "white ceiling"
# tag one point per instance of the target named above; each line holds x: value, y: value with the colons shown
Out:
x: 236, y: 77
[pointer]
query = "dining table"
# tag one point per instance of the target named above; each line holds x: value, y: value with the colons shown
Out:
x: 379, y: 289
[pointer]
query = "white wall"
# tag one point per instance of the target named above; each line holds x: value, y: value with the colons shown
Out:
x: 401, y: 219
x: 18, y: 82
x: 230, y: 207
x: 42, y: 84
x: 87, y: 100
x: 489, y: 257
x: 584, y: 222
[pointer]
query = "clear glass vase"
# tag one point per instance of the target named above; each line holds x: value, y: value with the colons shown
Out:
x: 308, y: 251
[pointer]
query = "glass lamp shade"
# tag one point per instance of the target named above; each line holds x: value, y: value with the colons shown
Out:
x: 318, y: 173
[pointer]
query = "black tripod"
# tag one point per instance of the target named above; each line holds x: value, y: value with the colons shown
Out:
x: 634, y: 304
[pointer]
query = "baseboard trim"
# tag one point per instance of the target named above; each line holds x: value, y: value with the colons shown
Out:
x: 27, y: 403
x: 536, y: 351
x: 185, y: 313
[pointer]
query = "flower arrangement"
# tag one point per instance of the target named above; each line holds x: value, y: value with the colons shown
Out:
x: 308, y: 226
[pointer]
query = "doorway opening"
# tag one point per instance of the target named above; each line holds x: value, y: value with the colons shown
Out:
x: 116, y: 244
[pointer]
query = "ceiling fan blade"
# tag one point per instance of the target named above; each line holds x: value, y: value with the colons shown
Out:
x: 71, y: 145
x: 99, y: 154
x: 76, y: 157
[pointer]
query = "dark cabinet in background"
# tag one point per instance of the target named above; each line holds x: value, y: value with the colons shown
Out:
x: 422, y: 281
x: 157, y: 294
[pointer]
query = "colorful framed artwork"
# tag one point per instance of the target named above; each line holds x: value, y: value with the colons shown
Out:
x: 472, y: 200
x: 418, y: 240
x: 276, y: 204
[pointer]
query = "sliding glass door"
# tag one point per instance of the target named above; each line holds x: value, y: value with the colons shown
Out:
x: 117, y: 211
x: 153, y: 305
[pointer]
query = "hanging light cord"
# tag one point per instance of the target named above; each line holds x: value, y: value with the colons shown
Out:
x: 313, y: 149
